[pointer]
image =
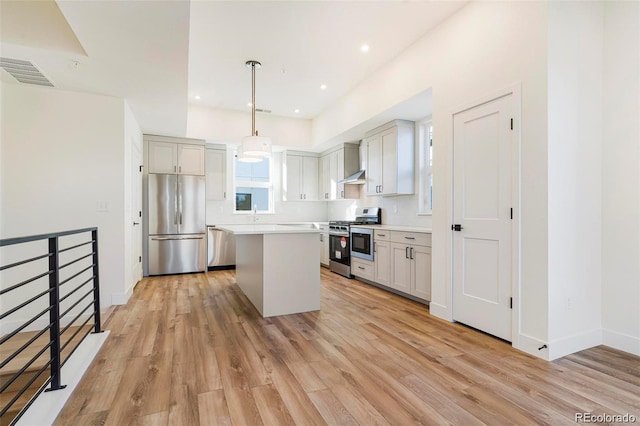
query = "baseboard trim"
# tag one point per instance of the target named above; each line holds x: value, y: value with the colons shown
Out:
x: 576, y: 343
x: 47, y: 405
x: 440, y: 311
x: 122, y: 298
x: 621, y: 341
x: 532, y: 346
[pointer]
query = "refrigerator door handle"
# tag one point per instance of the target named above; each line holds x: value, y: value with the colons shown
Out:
x: 195, y: 237
x: 179, y: 200
x: 175, y: 204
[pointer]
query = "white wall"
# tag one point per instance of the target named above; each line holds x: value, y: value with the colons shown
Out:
x: 215, y: 126
x: 63, y: 156
x: 481, y: 50
x: 575, y: 96
x: 132, y: 136
x: 221, y: 212
x: 621, y: 177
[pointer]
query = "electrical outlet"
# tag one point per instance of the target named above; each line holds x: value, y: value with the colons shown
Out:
x: 569, y: 304
x: 102, y: 206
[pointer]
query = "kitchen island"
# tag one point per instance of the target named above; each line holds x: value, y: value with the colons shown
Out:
x: 277, y: 267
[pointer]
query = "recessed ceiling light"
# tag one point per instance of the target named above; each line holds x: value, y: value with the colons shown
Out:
x: 364, y: 48
x: 296, y: 110
x: 249, y: 104
x: 197, y: 97
x: 323, y: 87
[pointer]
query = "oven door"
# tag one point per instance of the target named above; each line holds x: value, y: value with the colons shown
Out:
x: 362, y: 243
x: 339, y: 250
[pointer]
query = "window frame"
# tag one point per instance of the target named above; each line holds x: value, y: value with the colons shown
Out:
x: 249, y: 184
x: 424, y: 130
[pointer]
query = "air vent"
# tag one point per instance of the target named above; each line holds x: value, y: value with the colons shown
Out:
x: 24, y: 71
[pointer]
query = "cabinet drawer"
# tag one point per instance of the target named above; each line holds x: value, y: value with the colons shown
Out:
x: 380, y: 235
x: 413, y: 238
x: 362, y: 268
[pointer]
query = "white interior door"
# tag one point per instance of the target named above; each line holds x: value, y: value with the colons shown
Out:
x: 482, y: 178
x: 136, y: 211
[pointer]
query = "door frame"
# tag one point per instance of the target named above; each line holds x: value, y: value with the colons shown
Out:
x: 514, y: 90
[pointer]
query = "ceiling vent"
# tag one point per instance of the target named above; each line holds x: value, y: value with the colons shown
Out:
x: 24, y: 71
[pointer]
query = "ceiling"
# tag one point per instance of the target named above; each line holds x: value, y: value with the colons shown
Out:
x: 160, y: 54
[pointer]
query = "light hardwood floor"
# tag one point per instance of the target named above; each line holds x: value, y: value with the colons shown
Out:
x: 191, y: 349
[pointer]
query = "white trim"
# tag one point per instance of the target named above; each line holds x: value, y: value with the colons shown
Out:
x: 514, y: 90
x: 440, y: 311
x: 121, y: 298
x: 577, y: 342
x: 621, y: 341
x: 531, y: 345
x: 47, y: 405
x: 424, y: 168
x: 250, y: 184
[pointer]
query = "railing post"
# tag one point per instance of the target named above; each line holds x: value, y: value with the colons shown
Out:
x: 54, y: 313
x: 96, y: 283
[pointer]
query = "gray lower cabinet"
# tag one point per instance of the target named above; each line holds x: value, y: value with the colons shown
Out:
x: 401, y: 261
x: 324, y: 245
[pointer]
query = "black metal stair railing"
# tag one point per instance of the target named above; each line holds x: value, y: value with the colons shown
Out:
x: 72, y: 254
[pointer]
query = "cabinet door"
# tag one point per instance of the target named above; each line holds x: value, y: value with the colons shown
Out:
x: 293, y: 183
x: 333, y: 176
x: 163, y: 157
x: 310, y: 178
x: 400, y: 267
x: 216, y: 174
x: 324, y: 248
x: 325, y: 167
x: 373, y: 166
x: 340, y: 174
x: 382, y: 260
x: 421, y: 272
x: 389, y: 171
x: 191, y: 159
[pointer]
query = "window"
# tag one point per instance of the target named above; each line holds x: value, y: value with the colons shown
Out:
x: 425, y: 191
x: 253, y: 186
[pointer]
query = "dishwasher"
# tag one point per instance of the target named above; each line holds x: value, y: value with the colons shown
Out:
x: 221, y: 249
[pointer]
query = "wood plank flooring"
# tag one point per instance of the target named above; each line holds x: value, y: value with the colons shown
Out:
x: 192, y: 350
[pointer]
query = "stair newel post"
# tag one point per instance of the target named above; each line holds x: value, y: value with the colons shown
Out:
x: 96, y: 282
x: 54, y: 312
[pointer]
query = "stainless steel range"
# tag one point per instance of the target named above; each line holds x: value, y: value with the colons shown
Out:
x: 339, y: 238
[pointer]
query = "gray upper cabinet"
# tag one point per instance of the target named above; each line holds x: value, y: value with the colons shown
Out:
x: 334, y: 167
x: 300, y: 176
x: 176, y: 158
x: 390, y: 159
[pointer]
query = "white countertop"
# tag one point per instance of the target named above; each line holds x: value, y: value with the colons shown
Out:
x: 266, y: 229
x: 396, y: 228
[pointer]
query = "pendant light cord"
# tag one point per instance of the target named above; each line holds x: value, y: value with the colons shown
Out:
x: 253, y: 99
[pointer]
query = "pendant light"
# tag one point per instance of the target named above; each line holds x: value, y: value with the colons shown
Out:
x: 254, y: 146
x: 246, y: 158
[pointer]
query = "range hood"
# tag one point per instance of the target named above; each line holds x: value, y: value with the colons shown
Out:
x: 355, y: 179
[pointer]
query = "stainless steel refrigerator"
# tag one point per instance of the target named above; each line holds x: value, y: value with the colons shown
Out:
x: 177, y: 229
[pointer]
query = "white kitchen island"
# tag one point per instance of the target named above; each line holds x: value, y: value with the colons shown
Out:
x: 277, y: 267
